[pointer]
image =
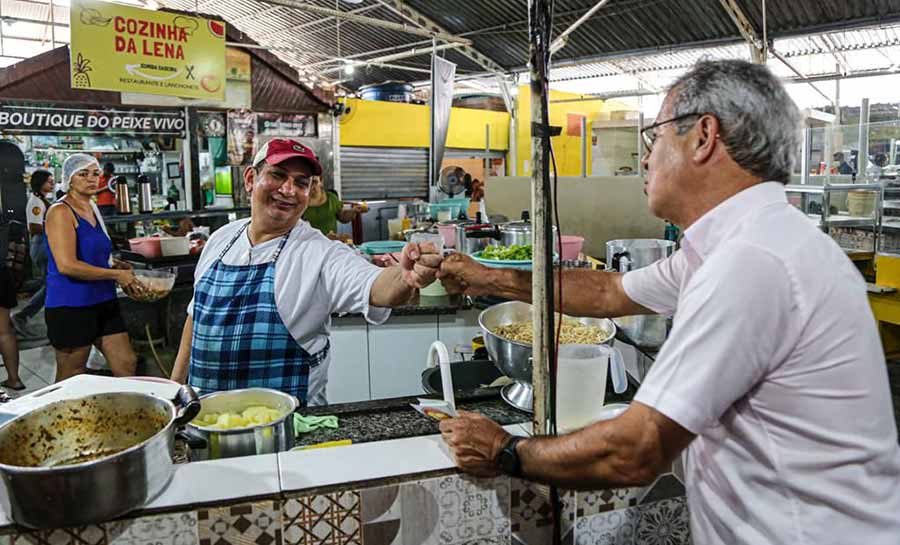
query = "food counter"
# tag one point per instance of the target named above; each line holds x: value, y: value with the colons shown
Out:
x: 378, y: 491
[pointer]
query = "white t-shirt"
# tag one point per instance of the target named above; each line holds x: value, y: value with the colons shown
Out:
x: 314, y: 277
x: 775, y: 363
x: 35, y: 210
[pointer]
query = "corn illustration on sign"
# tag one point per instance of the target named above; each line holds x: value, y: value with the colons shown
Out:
x: 123, y: 48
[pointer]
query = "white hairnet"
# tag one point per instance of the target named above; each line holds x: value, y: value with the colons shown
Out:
x: 74, y: 163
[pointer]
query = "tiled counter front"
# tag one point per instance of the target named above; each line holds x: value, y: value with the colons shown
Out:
x: 446, y: 510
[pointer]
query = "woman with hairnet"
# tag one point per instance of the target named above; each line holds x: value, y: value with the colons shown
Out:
x: 81, y: 305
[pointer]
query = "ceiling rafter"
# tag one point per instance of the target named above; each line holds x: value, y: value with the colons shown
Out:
x: 426, y: 23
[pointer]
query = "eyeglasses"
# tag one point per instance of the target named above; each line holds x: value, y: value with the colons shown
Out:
x: 648, y: 134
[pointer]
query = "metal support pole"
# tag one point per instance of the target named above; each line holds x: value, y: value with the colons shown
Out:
x: 542, y: 294
x: 431, y: 173
x: 487, y: 151
x: 837, y: 101
x: 513, y: 167
x: 191, y: 168
x: 862, y: 159
x: 336, y: 153
x: 52, y: 27
x: 804, y: 157
x: 584, y: 147
x: 640, y: 144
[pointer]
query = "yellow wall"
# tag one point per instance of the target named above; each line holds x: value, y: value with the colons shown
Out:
x: 392, y: 124
x: 567, y: 149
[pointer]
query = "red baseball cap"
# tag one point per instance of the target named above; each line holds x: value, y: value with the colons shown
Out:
x: 278, y: 150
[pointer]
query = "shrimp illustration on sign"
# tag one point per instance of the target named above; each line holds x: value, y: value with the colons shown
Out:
x: 80, y: 76
x: 91, y: 16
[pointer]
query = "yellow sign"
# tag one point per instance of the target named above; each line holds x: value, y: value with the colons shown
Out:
x: 121, y: 48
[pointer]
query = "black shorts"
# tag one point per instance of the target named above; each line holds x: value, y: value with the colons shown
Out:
x: 7, y: 289
x: 74, y: 327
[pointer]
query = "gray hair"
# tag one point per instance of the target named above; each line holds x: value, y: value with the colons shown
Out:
x: 758, y: 122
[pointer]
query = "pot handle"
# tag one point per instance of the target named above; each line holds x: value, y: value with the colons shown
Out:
x: 190, y: 405
x: 192, y: 438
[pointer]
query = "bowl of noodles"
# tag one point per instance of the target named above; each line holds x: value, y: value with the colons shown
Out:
x: 508, y: 337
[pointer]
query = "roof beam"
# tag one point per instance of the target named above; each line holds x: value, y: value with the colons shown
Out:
x: 318, y: 22
x: 384, y: 58
x: 436, y: 33
x: 413, y: 52
x: 802, y: 76
x: 832, y: 48
x: 426, y: 23
x: 562, y: 39
x: 758, y: 48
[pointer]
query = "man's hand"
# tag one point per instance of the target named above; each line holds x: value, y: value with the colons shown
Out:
x: 461, y: 274
x: 420, y: 264
x: 474, y: 441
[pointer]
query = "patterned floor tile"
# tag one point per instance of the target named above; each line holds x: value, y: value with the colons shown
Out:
x: 327, y: 519
x: 84, y: 535
x: 380, y: 514
x: 244, y: 524
x: 468, y: 511
x: 664, y: 523
x: 172, y: 529
x: 610, y: 528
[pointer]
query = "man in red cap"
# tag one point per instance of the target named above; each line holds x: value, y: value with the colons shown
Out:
x: 265, y: 288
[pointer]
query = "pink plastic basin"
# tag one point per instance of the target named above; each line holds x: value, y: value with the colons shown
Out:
x: 571, y: 247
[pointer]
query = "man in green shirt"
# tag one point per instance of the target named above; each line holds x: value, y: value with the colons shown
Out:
x: 326, y: 209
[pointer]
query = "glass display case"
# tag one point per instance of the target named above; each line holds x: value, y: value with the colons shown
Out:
x: 849, y: 213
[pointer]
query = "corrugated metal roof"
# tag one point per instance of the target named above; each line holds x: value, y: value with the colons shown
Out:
x: 620, y: 34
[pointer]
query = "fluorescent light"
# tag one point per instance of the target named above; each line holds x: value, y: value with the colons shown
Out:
x: 349, y: 69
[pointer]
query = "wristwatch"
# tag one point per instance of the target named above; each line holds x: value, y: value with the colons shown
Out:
x: 508, y: 459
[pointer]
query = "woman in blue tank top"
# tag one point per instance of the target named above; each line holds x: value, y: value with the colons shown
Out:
x: 81, y: 305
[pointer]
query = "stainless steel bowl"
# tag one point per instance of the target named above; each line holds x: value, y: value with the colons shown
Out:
x: 514, y: 358
x: 277, y: 436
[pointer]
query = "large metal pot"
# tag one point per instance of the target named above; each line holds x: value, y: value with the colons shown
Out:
x: 521, y: 233
x: 90, y: 459
x: 472, y: 238
x: 514, y: 358
x: 277, y: 436
x: 647, y: 331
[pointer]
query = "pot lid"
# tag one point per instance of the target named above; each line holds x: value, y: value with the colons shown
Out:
x: 516, y: 227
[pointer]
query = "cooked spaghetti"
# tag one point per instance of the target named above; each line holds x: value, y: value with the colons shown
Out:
x: 573, y: 332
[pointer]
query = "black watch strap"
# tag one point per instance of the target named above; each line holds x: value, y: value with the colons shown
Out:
x: 508, y: 459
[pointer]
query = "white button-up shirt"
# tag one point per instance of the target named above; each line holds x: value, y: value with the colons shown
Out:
x: 775, y: 363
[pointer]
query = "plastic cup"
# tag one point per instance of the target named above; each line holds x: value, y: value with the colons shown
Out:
x: 431, y: 238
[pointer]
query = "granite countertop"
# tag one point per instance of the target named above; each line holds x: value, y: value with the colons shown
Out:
x: 423, y: 305
x: 381, y: 420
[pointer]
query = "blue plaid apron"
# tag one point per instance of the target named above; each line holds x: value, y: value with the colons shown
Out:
x: 239, y: 339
